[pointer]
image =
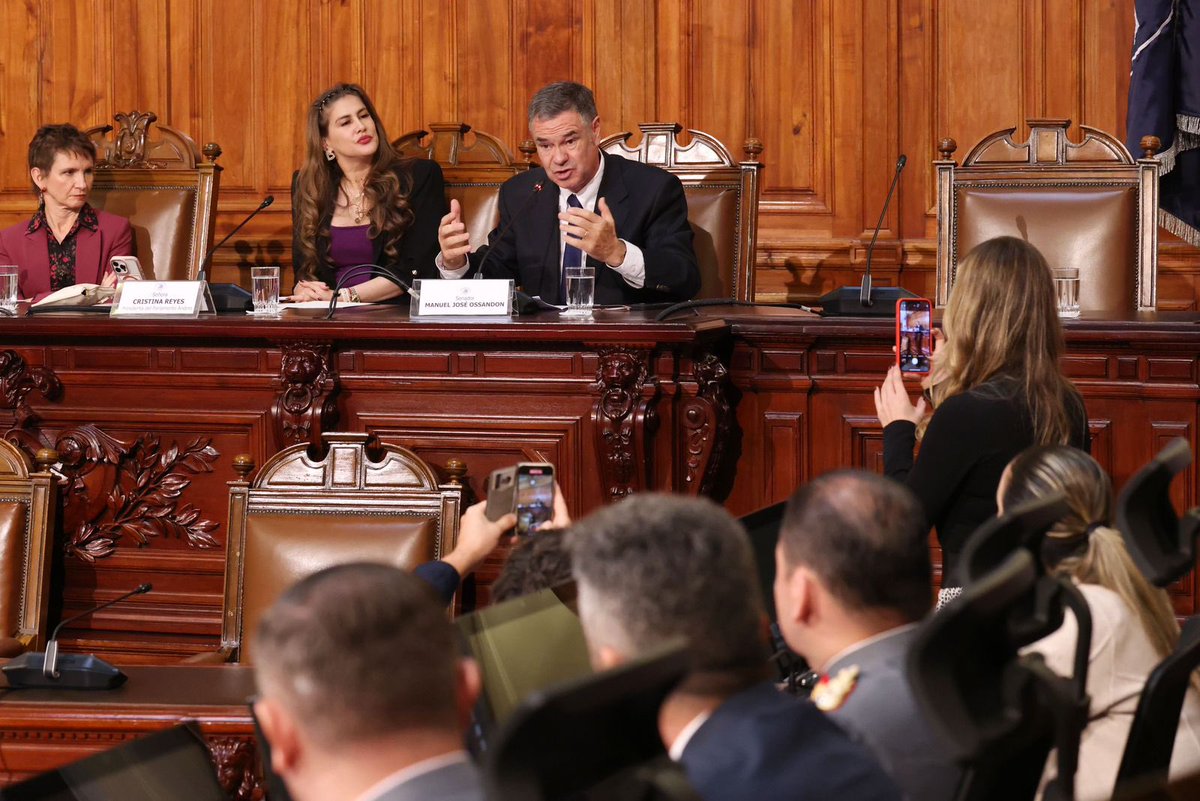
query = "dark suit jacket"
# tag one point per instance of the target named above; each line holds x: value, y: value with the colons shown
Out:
x: 650, y: 211
x: 762, y: 743
x: 416, y: 247
x: 93, y: 249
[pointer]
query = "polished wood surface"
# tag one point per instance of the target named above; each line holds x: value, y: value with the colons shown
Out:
x: 834, y: 89
x: 45, y: 729
x: 740, y: 405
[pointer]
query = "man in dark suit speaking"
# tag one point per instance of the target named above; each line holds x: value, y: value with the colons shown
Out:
x: 628, y: 219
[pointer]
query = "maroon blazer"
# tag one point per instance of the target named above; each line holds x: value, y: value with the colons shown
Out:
x: 93, y: 249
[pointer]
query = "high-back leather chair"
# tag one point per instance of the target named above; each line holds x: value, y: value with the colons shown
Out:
x: 1088, y: 206
x: 27, y: 514
x: 474, y: 165
x: 361, y: 501
x: 722, y: 197
x: 154, y: 176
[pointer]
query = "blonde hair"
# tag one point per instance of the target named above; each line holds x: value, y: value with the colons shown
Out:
x: 1099, y: 555
x: 1002, y: 322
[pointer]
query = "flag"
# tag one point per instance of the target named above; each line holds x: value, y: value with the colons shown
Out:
x: 1164, y: 101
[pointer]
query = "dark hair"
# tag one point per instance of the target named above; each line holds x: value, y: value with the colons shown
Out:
x: 359, y: 650
x: 864, y: 536
x: 387, y: 187
x: 50, y: 140
x: 538, y: 562
x: 552, y: 100
x: 654, y: 567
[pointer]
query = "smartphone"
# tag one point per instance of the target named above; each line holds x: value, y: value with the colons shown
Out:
x: 126, y: 267
x: 526, y: 489
x: 914, y: 335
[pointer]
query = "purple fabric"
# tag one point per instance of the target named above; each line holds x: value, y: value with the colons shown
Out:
x: 349, y: 247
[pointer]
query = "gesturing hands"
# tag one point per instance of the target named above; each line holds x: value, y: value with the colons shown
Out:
x: 594, y: 234
x: 453, y: 238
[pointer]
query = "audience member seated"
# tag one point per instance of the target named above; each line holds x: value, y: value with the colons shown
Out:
x: 363, y: 694
x: 1133, y: 625
x: 996, y: 388
x: 357, y: 202
x: 538, y: 562
x: 575, y: 199
x: 655, y: 567
x: 853, y: 579
x: 67, y: 242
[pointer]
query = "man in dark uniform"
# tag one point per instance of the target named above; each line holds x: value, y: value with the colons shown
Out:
x: 656, y: 567
x: 626, y: 219
x: 852, y: 581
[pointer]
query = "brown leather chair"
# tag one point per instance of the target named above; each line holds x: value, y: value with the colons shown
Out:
x: 163, y: 187
x: 27, y: 513
x: 1088, y: 206
x: 722, y: 196
x: 362, y: 501
x: 474, y: 164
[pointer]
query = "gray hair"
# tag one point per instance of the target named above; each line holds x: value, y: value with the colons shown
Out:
x: 656, y: 567
x: 358, y: 651
x: 552, y: 100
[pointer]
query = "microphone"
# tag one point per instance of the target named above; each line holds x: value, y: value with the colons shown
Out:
x: 358, y: 270
x: 73, y: 671
x: 267, y: 201
x: 850, y: 302
x: 520, y: 212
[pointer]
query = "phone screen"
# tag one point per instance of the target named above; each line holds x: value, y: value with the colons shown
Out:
x: 535, y: 497
x: 914, y: 335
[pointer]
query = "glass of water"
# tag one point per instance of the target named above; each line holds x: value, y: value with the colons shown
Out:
x: 9, y: 278
x: 1066, y: 285
x: 265, y: 287
x: 581, y: 290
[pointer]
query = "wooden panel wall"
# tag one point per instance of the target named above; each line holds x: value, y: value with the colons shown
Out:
x: 835, y: 89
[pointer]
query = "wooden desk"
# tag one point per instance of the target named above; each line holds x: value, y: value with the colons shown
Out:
x: 45, y: 729
x: 741, y: 405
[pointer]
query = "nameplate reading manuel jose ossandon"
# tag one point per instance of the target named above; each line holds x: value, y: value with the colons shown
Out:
x: 158, y: 299
x: 466, y: 298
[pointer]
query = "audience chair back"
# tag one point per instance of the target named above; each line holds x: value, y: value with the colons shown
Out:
x: 1089, y: 206
x: 722, y: 198
x: 1162, y: 544
x: 360, y: 501
x: 28, y: 506
x: 474, y: 165
x: 156, y: 177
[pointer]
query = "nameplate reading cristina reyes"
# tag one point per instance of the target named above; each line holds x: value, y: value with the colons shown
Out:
x: 158, y: 299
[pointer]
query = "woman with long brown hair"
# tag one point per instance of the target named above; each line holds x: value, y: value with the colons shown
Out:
x: 356, y: 201
x: 996, y: 388
x: 1133, y: 623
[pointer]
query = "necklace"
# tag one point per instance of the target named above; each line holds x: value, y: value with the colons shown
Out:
x: 356, y: 204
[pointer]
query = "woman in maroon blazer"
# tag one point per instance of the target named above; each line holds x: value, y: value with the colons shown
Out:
x: 67, y: 241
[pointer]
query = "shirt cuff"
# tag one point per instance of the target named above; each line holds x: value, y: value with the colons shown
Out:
x: 633, y: 269
x: 459, y: 273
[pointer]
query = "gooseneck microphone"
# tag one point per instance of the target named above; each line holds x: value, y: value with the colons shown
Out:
x: 72, y: 671
x: 865, y: 289
x: 359, y: 269
x: 200, y: 276
x: 862, y: 301
x: 520, y: 212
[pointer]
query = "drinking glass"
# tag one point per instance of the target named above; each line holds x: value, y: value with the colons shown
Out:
x: 581, y: 290
x: 1066, y: 285
x: 265, y: 286
x: 9, y: 276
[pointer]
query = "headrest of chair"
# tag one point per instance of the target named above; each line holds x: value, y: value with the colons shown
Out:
x: 1022, y: 527
x: 963, y: 666
x: 1162, y: 545
x: 604, y: 724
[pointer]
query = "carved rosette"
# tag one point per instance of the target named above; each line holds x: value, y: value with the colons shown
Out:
x: 625, y: 418
x: 707, y: 418
x: 307, y: 404
x: 236, y: 761
x: 17, y: 380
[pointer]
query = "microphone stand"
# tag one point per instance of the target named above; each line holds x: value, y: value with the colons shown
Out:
x: 864, y: 294
x: 537, y: 189
x: 360, y: 269
x: 200, y: 275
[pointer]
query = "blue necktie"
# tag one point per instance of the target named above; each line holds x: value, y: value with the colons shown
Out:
x: 572, y: 256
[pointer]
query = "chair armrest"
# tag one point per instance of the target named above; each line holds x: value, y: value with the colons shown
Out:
x: 218, y: 657
x: 10, y: 647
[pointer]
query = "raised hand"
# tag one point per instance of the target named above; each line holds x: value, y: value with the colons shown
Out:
x: 453, y: 238
x: 594, y: 234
